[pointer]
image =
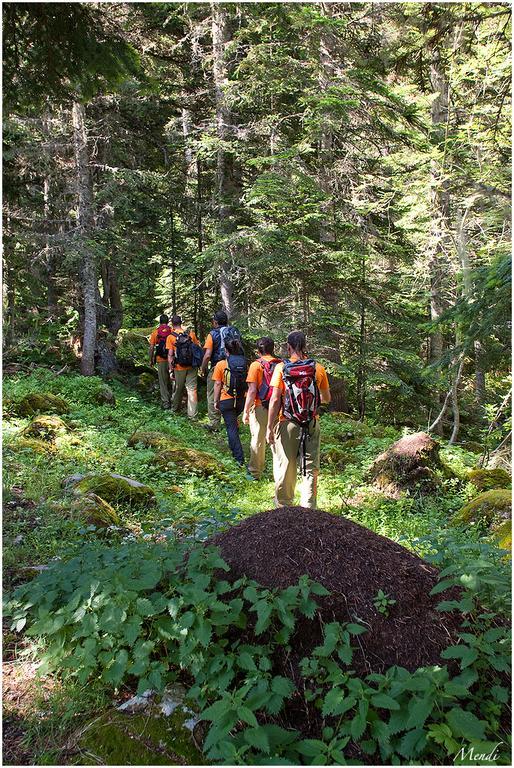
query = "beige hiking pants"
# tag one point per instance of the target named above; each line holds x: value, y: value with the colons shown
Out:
x: 214, y: 415
x: 164, y: 384
x: 258, y: 423
x: 187, y: 379
x: 286, y: 461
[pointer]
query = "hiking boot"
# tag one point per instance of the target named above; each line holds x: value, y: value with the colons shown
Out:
x: 211, y: 427
x: 249, y: 476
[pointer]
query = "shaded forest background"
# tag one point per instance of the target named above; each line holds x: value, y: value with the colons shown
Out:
x: 343, y: 168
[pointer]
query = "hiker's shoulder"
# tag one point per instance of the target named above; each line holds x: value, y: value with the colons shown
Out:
x: 321, y: 375
x: 153, y: 336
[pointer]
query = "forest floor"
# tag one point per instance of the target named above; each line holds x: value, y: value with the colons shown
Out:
x: 41, y: 714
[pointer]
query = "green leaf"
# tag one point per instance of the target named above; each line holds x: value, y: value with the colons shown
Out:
x: 465, y: 724
x: 419, y: 711
x: 264, y: 610
x: 283, y: 686
x: 247, y: 716
x: 356, y: 629
x: 409, y: 744
x: 500, y: 693
x: 383, y: 701
x: 245, y: 661
x: 145, y: 607
x: 203, y: 631
x: 319, y: 589
x: 311, y: 747
x: 257, y: 738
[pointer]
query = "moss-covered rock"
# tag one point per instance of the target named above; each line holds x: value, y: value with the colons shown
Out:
x: 105, y: 396
x: 340, y: 456
x: 116, y: 488
x: 147, y: 384
x: 472, y: 446
x: 42, y: 447
x: 489, y: 509
x: 170, y: 454
x: 503, y: 535
x: 410, y: 463
x: 350, y: 428
x: 488, y: 479
x: 119, y: 739
x: 132, y: 346
x: 41, y: 402
x: 45, y: 428
x: 96, y: 511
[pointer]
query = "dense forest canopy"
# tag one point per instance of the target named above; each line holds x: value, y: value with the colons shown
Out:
x: 343, y: 168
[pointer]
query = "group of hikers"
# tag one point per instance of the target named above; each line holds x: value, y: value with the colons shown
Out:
x: 281, y: 400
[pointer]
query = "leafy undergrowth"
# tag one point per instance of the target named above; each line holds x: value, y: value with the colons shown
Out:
x: 150, y: 619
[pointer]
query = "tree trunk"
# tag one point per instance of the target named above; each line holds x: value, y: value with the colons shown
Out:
x: 85, y: 226
x: 225, y: 181
x: 440, y: 203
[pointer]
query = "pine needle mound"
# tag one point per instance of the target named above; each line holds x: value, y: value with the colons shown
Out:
x: 275, y: 548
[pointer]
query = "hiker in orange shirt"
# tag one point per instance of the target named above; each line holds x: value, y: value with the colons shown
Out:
x: 300, y: 385
x: 183, y: 365
x: 159, y: 356
x: 229, y: 377
x: 257, y: 403
x: 214, y: 352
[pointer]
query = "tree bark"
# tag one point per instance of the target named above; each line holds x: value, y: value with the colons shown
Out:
x: 225, y: 180
x: 85, y: 226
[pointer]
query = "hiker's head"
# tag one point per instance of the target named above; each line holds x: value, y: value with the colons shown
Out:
x: 296, y: 343
x: 176, y: 320
x: 234, y: 347
x: 220, y: 319
x: 164, y: 319
x: 266, y: 345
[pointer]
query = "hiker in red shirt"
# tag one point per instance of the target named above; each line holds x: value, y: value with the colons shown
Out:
x: 159, y: 356
x: 300, y: 385
x: 257, y: 402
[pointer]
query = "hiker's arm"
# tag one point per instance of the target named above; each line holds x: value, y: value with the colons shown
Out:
x: 171, y: 359
x: 273, y: 410
x: 325, y: 396
x: 250, y: 400
x: 152, y: 347
x: 217, y: 394
x: 205, y: 362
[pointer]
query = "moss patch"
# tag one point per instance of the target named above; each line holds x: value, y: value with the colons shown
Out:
x: 32, y: 444
x: 489, y: 508
x: 488, y: 479
x: 96, y: 511
x: 503, y: 535
x: 119, y: 739
x: 45, y: 428
x: 41, y: 402
x: 115, y: 488
x: 170, y: 454
x: 105, y: 396
x: 133, y: 346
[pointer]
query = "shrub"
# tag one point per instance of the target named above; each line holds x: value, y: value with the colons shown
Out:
x: 149, y: 613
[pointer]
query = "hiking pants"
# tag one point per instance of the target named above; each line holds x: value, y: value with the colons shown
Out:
x: 187, y: 379
x: 230, y: 415
x: 214, y: 416
x: 164, y: 384
x: 286, y: 461
x: 258, y: 423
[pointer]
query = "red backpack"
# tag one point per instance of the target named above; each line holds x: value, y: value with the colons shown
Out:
x: 264, y: 392
x: 302, y: 398
x: 163, y: 331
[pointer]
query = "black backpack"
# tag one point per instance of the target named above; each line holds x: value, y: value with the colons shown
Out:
x: 219, y: 338
x: 234, y: 376
x: 183, y: 348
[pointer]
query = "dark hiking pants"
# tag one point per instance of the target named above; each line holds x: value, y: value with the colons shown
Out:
x: 230, y: 415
